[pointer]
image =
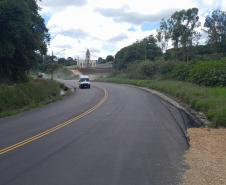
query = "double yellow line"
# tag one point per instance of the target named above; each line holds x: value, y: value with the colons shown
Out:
x: 54, y: 128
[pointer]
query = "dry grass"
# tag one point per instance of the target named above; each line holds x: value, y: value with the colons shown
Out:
x: 206, y: 157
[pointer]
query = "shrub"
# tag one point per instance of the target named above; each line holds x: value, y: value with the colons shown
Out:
x: 113, y: 74
x: 30, y: 78
x: 147, y: 68
x: 181, y: 71
x: 209, y: 73
x: 210, y: 57
x: 165, y: 67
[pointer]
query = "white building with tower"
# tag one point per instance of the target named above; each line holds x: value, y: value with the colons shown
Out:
x: 87, y: 62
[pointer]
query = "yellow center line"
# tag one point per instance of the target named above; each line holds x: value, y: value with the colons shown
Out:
x: 7, y: 149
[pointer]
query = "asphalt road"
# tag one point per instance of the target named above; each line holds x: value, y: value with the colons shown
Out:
x: 130, y: 139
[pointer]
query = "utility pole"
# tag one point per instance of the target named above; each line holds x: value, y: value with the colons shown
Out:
x: 77, y: 60
x: 52, y: 63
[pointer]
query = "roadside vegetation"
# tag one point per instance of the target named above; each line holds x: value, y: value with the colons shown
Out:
x: 48, y: 63
x: 24, y: 36
x: 192, y: 73
x: 23, y: 48
x: 64, y: 74
x: 209, y: 100
x: 30, y: 95
x: 23, y: 44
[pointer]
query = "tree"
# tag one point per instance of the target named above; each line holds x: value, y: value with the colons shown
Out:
x: 150, y: 48
x: 109, y: 58
x: 40, y: 59
x: 215, y: 27
x: 47, y: 58
x: 23, y: 37
x: 182, y: 27
x: 101, y: 60
x: 62, y: 61
x: 69, y: 59
x: 145, y: 49
x: 163, y: 35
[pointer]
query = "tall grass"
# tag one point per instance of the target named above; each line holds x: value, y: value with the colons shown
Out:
x: 210, y: 100
x: 28, y: 94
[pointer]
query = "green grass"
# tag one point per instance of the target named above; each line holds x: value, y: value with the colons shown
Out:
x: 27, y: 96
x: 9, y: 113
x: 210, y: 100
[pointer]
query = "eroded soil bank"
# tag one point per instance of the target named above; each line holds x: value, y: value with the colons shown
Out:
x: 206, y: 157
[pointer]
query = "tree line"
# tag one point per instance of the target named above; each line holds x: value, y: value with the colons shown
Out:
x: 47, y: 62
x: 182, y: 31
x: 109, y: 58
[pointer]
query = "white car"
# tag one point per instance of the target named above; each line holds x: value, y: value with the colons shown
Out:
x: 84, y: 81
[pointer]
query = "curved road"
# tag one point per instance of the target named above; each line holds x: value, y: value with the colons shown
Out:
x: 130, y: 139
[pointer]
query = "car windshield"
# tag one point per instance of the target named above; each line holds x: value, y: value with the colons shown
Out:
x: 84, y: 79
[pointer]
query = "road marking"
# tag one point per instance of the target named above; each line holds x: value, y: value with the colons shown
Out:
x: 54, y: 128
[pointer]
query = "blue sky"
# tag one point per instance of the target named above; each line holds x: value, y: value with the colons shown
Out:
x: 149, y: 26
x: 46, y: 17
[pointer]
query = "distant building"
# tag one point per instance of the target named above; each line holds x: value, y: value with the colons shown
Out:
x: 87, y: 62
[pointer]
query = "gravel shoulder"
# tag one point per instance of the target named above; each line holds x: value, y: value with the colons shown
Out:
x: 206, y: 157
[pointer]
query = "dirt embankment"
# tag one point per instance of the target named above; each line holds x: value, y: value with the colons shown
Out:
x: 206, y: 157
x: 92, y: 73
x: 76, y: 72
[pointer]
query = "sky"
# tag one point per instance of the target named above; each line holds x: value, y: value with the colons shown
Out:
x: 104, y: 27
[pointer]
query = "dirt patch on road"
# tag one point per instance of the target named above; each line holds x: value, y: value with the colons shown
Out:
x: 206, y: 157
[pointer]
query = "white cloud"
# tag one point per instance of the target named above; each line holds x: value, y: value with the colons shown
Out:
x: 102, y: 26
x: 134, y: 18
x: 59, y: 5
x: 224, y: 5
